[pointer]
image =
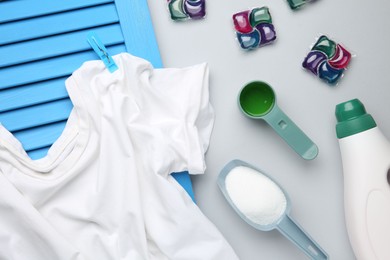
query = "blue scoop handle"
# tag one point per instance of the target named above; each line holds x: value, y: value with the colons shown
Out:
x: 293, y: 232
x: 291, y: 133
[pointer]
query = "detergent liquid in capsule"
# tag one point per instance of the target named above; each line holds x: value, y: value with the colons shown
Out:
x: 365, y: 153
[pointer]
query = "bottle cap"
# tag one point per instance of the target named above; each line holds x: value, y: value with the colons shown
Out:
x: 352, y: 118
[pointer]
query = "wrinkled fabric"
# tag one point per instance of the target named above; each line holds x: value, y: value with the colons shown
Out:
x: 104, y: 191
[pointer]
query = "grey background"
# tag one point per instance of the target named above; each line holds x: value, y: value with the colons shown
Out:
x: 315, y: 187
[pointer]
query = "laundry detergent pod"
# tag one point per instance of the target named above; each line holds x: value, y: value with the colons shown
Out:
x: 242, y: 23
x: 328, y: 60
x: 325, y: 45
x: 249, y: 40
x: 341, y: 58
x: 297, y: 4
x: 328, y: 73
x: 313, y: 61
x: 267, y: 32
x: 187, y: 9
x: 254, y: 28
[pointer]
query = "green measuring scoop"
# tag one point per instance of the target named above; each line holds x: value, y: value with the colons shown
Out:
x: 257, y: 100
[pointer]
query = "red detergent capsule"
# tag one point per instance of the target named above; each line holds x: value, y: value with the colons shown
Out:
x: 241, y: 22
x: 341, y: 58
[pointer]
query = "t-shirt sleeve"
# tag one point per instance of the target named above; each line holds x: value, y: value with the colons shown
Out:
x: 178, y: 118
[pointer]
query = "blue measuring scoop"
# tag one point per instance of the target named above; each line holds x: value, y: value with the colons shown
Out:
x: 242, y: 192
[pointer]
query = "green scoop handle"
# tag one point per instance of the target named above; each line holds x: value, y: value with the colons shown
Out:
x: 291, y: 133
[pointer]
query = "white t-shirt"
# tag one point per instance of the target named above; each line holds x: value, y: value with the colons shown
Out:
x: 104, y: 191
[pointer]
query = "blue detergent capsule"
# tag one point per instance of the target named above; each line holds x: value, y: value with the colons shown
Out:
x: 249, y: 40
x: 329, y: 74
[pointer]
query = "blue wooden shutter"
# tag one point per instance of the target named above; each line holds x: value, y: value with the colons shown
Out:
x: 43, y: 41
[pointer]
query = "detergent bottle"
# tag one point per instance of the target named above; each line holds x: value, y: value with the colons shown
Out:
x: 365, y: 153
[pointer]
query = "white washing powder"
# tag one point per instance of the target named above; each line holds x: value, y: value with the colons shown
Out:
x: 255, y: 195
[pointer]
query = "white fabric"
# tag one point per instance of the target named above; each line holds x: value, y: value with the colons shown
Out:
x: 105, y: 191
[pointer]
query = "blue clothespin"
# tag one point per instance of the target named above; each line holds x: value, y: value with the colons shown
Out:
x: 101, y: 50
